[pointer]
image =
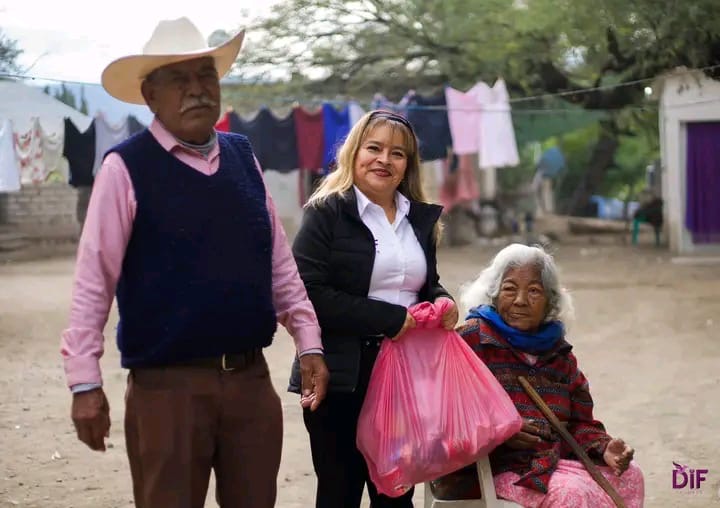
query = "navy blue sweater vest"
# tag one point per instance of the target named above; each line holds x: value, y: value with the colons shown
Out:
x: 196, y: 279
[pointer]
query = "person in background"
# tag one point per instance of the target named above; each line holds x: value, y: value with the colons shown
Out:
x: 181, y: 227
x: 516, y: 325
x: 366, y: 251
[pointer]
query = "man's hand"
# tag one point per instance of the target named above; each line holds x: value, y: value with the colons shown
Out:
x: 527, y: 437
x: 91, y: 416
x: 450, y: 317
x: 618, y: 456
x: 407, y: 325
x: 315, y: 377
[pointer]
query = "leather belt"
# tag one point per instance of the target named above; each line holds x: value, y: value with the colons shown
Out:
x: 227, y: 362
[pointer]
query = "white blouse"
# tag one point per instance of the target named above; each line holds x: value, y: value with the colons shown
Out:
x: 400, y: 267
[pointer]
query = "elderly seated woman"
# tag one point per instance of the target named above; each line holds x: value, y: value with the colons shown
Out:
x: 516, y: 324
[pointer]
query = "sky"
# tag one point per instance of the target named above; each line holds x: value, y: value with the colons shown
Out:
x: 75, y: 39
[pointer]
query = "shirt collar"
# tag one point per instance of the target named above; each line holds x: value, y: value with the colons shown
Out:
x: 171, y: 144
x: 401, y: 202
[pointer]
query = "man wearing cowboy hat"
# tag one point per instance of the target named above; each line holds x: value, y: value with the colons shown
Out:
x: 181, y: 228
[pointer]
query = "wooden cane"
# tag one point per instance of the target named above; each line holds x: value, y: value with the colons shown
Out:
x: 587, y: 462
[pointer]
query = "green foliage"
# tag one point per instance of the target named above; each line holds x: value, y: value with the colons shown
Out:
x: 536, y: 45
x: 339, y: 49
x: 626, y: 178
x: 9, y: 53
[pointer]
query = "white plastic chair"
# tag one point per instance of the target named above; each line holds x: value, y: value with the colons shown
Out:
x: 487, y: 490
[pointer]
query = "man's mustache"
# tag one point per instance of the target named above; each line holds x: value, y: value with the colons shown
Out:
x: 198, y: 102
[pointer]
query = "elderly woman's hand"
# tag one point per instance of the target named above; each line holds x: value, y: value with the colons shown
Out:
x: 618, y: 456
x: 450, y: 317
x: 527, y: 437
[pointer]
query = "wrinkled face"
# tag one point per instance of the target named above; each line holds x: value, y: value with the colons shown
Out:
x: 522, y: 302
x: 185, y: 97
x: 381, y: 162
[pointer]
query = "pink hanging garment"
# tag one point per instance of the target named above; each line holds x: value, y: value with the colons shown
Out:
x: 431, y: 408
x: 464, y: 119
x: 460, y: 187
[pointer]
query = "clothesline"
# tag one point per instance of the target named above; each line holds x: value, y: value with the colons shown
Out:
x: 512, y: 100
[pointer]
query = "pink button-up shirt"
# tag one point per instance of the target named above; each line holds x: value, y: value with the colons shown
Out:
x: 101, y: 250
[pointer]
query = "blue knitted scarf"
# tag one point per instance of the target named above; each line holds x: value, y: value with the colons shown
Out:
x: 543, y: 340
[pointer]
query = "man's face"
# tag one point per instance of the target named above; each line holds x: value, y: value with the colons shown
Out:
x: 185, y: 97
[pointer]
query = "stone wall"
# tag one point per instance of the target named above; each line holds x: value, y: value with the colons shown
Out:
x: 40, y: 209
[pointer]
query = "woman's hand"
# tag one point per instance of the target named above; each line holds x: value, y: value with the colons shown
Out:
x: 527, y: 438
x: 450, y: 316
x: 618, y: 456
x: 407, y: 325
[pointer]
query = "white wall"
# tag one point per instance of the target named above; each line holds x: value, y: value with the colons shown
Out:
x: 685, y: 97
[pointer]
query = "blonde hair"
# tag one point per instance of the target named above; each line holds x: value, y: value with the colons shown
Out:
x: 341, y: 179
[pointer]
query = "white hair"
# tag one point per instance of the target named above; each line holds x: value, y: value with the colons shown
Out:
x: 485, y: 289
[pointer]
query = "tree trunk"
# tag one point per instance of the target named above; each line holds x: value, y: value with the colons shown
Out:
x: 603, y: 157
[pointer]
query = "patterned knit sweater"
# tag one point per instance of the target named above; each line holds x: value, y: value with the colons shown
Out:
x: 556, y: 377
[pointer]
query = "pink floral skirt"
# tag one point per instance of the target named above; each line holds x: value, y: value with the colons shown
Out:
x: 571, y: 486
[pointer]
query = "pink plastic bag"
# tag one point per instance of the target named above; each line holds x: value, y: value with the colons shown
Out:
x: 432, y: 406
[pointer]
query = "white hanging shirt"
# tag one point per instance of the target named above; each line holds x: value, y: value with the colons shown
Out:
x: 29, y: 150
x: 400, y: 267
x: 356, y: 112
x: 496, y: 143
x: 9, y: 166
x: 106, y: 137
x: 56, y: 165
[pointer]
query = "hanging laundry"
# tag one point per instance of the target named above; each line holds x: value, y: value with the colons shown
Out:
x: 309, y: 138
x: 431, y: 125
x: 379, y: 101
x: 336, y: 126
x: 106, y: 137
x: 56, y: 167
x: 134, y: 125
x: 464, y: 119
x: 237, y: 124
x: 432, y: 177
x: 272, y: 138
x: 28, y: 147
x: 355, y: 111
x: 551, y: 162
x: 460, y: 187
x: 496, y: 137
x: 223, y: 125
x: 9, y: 166
x: 79, y: 150
x: 401, y: 108
x: 284, y: 187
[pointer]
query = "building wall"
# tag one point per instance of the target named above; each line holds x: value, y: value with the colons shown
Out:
x: 686, y: 97
x: 43, y: 209
x: 50, y: 210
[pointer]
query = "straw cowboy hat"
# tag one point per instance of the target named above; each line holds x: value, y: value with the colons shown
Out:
x: 172, y: 41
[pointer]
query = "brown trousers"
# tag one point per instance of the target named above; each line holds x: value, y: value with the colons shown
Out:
x: 183, y: 422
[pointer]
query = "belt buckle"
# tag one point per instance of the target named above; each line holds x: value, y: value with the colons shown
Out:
x: 223, y: 364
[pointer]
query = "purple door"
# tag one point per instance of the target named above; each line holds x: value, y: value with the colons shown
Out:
x: 702, y: 216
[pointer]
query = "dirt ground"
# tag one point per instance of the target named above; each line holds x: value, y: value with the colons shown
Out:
x: 647, y: 336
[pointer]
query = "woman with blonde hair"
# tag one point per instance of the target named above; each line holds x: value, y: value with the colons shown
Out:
x: 366, y: 251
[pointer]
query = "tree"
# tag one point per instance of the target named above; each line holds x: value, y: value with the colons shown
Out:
x: 9, y: 53
x: 66, y: 96
x: 538, y: 46
x: 83, y: 102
